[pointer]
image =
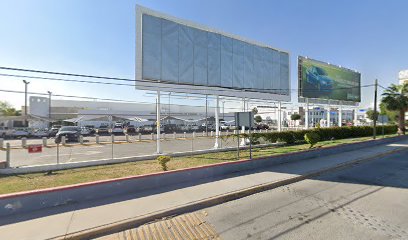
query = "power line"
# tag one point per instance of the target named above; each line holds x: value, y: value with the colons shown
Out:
x: 140, y: 80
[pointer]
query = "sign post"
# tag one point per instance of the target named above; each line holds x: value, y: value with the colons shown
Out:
x: 245, y: 119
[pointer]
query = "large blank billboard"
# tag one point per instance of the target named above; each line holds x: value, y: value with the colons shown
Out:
x: 326, y: 81
x: 176, y: 55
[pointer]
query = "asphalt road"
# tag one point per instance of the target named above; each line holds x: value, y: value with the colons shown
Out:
x: 91, y: 151
x: 367, y: 201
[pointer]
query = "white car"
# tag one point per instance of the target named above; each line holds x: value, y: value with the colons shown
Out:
x: 40, y: 133
x: 117, y: 129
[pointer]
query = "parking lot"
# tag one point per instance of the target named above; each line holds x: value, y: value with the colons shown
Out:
x: 90, y: 150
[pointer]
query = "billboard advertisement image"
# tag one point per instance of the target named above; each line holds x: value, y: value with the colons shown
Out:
x: 180, y: 56
x: 325, y: 81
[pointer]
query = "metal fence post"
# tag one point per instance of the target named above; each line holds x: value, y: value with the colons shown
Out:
x: 57, y: 153
x: 112, y: 141
x: 7, y: 155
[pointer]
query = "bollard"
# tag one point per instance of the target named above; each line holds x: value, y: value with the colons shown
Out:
x: 152, y: 136
x: 211, y: 133
x: 164, y: 136
x: 63, y: 140
x: 203, y: 133
x: 1, y: 143
x: 44, y: 141
x: 227, y: 133
x: 24, y: 142
x: 7, y: 155
x: 184, y: 135
x: 140, y: 137
x: 127, y: 137
x: 112, y: 138
x: 194, y: 134
x: 174, y: 135
x: 97, y: 138
x: 81, y: 139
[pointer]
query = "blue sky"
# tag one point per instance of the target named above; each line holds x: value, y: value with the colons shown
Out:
x: 98, y: 37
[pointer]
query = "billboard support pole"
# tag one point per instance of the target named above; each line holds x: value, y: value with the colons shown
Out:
x: 158, y: 147
x: 340, y: 113
x: 217, y: 122
x: 328, y: 114
x: 279, y: 116
x: 307, y: 114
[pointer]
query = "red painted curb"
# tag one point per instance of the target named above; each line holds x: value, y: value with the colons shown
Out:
x: 79, y: 185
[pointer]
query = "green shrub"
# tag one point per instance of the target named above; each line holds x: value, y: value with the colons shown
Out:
x: 163, y: 160
x: 312, y: 138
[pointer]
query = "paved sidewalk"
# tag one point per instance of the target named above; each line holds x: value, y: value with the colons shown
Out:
x: 80, y: 217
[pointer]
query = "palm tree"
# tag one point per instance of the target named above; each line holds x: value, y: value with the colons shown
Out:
x: 395, y: 98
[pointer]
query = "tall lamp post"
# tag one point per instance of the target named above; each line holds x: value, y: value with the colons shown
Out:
x: 25, y: 102
x: 49, y: 108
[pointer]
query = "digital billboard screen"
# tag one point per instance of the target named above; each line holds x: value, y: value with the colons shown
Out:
x: 180, y: 56
x: 326, y: 81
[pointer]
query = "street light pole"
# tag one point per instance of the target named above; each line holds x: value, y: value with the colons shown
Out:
x: 49, y: 109
x: 25, y: 102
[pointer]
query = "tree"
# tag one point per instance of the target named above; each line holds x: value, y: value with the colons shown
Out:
x: 371, y: 115
x: 7, y: 110
x: 255, y: 110
x: 295, y: 116
x: 258, y: 119
x: 392, y: 115
x: 395, y: 98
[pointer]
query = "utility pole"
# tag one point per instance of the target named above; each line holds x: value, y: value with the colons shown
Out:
x: 25, y: 102
x: 375, y: 110
x: 49, y: 109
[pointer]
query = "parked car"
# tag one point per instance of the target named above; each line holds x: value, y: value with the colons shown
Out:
x: 262, y: 126
x: 71, y: 134
x: 117, y: 129
x: 85, y: 131
x: 21, y: 132
x: 54, y: 129
x: 102, y: 130
x: 91, y: 128
x: 5, y: 132
x: 130, y: 130
x: 318, y: 77
x: 40, y: 133
x: 146, y: 129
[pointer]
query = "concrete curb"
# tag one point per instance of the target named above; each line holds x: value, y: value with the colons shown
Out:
x: 212, y: 201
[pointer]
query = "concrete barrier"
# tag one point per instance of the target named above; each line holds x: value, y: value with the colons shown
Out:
x: 25, y: 202
x: 44, y: 141
x: 24, y: 142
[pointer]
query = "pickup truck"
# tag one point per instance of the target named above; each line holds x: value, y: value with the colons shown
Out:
x: 5, y: 132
